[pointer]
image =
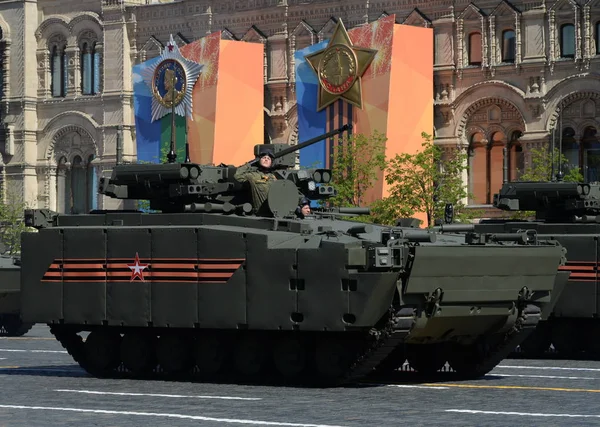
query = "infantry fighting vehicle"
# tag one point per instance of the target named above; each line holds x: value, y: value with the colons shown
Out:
x: 11, y: 324
x: 570, y: 213
x: 203, y: 288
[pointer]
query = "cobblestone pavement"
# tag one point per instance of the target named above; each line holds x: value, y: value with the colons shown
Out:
x: 42, y: 386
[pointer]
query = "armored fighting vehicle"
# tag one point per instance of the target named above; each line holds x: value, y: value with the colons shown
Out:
x: 569, y: 213
x: 201, y: 287
x: 11, y: 324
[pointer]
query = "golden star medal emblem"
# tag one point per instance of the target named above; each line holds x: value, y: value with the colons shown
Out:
x: 339, y: 68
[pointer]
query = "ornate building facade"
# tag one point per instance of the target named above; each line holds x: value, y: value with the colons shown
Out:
x: 514, y: 75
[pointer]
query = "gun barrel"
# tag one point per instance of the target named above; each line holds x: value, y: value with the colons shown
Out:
x: 312, y: 141
x: 354, y: 210
x: 457, y: 228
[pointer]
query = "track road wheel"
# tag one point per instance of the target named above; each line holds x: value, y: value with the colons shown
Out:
x: 174, y: 353
x: 290, y: 357
x: 468, y: 360
x: 394, y: 361
x: 210, y: 353
x: 333, y: 356
x: 567, y: 337
x: 538, y: 342
x: 102, y: 352
x: 137, y: 352
x: 13, y: 326
x: 251, y: 354
x: 426, y: 359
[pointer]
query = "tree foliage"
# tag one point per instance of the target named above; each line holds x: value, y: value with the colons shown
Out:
x: 12, y: 223
x: 423, y: 182
x: 541, y: 168
x: 358, y: 161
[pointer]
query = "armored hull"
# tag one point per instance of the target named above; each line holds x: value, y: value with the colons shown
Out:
x: 572, y: 328
x: 566, y: 212
x: 10, y: 299
x: 314, y: 301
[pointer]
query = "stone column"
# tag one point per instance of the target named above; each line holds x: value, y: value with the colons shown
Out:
x: 51, y: 183
x: 73, y: 71
x: 60, y: 187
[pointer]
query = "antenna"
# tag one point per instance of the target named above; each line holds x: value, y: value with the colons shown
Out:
x: 187, y: 143
x: 560, y: 175
x: 172, y: 156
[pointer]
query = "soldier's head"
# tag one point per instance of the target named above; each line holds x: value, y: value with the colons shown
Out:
x: 265, y: 158
x: 305, y: 206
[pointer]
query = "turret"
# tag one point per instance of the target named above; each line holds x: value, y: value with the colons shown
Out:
x: 556, y: 201
x: 191, y: 187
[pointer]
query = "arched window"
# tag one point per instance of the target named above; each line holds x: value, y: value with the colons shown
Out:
x: 569, y: 147
x: 567, y: 41
x: 509, y: 46
x: 58, y: 70
x: 91, y: 184
x: 475, y: 49
x: 90, y: 68
x: 477, y: 168
x: 597, y: 38
x: 516, y: 161
x: 591, y: 154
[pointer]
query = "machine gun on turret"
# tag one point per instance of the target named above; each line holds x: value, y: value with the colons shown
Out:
x: 191, y: 187
x: 556, y: 201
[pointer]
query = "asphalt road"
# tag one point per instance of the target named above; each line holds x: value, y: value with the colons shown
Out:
x: 41, y: 386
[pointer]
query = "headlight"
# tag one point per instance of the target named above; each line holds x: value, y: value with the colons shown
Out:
x: 312, y: 186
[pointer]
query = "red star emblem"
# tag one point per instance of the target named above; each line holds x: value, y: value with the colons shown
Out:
x: 137, y: 269
x: 170, y: 47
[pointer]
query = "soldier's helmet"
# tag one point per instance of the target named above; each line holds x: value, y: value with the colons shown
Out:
x: 304, y: 201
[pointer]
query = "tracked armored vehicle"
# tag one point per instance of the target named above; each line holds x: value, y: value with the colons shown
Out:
x: 203, y: 288
x: 11, y: 324
x: 569, y: 213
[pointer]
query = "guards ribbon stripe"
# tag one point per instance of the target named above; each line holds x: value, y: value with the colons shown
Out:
x: 163, y: 270
x: 581, y: 271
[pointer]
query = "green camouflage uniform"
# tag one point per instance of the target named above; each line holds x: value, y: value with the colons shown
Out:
x: 259, y: 184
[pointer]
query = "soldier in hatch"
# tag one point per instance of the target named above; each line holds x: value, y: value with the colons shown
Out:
x: 303, y: 208
x: 258, y: 174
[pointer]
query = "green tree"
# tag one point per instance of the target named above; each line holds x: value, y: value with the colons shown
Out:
x: 358, y: 161
x: 423, y: 182
x: 541, y: 168
x: 12, y: 223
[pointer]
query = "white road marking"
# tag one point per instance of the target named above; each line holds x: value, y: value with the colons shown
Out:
x: 522, y: 414
x: 167, y: 415
x: 417, y: 386
x: 549, y: 368
x: 33, y: 351
x: 543, y: 376
x: 158, y: 395
x: 2, y: 358
x: 60, y: 370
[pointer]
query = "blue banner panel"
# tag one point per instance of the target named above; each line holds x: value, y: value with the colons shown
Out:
x: 147, y: 134
x: 310, y: 122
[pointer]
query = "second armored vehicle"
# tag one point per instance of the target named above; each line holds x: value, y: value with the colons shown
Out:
x: 569, y: 213
x: 202, y: 287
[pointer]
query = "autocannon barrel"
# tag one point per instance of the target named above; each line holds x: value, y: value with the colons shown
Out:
x: 354, y: 210
x: 456, y: 228
x: 312, y: 141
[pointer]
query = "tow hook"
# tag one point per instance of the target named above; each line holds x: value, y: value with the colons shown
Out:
x: 432, y: 306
